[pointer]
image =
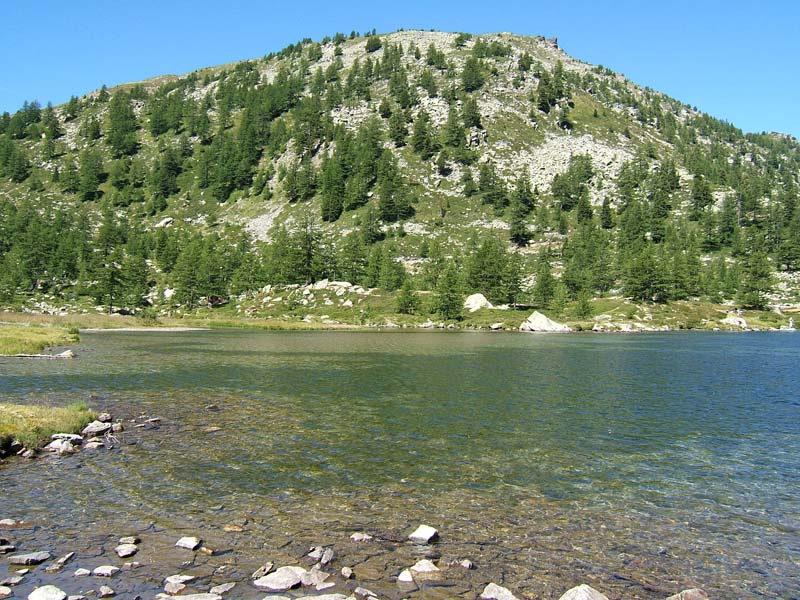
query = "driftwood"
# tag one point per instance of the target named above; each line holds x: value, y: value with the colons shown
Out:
x: 64, y: 354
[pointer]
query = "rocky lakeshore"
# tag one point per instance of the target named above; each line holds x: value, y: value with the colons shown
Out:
x: 362, y: 566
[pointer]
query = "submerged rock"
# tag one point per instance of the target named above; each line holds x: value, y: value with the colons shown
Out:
x: 126, y: 550
x: 284, y: 578
x: 32, y: 558
x: 692, y: 594
x: 47, y: 592
x: 222, y: 588
x: 496, y: 592
x: 106, y: 592
x: 537, y: 322
x: 424, y: 534
x: 424, y: 566
x: 583, y: 592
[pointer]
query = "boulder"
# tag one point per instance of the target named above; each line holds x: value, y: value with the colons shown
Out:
x: 423, y: 534
x: 583, y: 592
x: 476, y: 302
x: 537, y: 322
x: 72, y: 438
x: 735, y: 321
x: 692, y: 594
x: 496, y: 592
x: 47, y: 592
x: 60, y: 447
x: 5, y: 591
x: 284, y: 578
x: 96, y: 428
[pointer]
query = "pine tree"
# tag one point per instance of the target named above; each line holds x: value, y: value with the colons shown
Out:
x: 448, y: 300
x: 472, y: 77
x: 122, y: 126
x: 407, y: 300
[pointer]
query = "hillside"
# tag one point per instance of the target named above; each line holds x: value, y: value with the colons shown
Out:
x: 416, y: 167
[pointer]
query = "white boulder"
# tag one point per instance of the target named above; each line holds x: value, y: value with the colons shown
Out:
x: 476, y: 302
x: 583, y: 592
x: 537, y: 322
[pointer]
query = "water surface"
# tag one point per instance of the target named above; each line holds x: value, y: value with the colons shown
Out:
x: 641, y: 465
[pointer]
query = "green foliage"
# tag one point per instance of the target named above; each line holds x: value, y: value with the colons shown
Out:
x: 373, y: 43
x: 472, y: 77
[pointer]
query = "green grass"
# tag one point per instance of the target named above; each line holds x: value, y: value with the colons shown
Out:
x: 33, y: 425
x: 32, y: 339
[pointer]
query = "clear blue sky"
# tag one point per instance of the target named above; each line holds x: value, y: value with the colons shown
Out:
x: 737, y: 60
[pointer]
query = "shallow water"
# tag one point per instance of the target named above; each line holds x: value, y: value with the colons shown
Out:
x: 641, y: 465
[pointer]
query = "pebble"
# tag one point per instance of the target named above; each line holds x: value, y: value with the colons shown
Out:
x: 347, y: 572
x: 190, y: 543
x: 424, y: 534
x: 105, y: 571
x: 82, y: 572
x: 106, y: 592
x: 33, y: 558
x: 126, y: 550
x: 496, y: 592
x: 364, y: 592
x: 47, y: 592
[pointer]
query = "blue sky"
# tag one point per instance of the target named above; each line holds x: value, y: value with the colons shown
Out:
x: 735, y: 60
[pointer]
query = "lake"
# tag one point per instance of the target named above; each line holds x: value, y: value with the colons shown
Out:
x: 639, y: 464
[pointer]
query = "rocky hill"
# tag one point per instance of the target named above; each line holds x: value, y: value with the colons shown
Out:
x: 436, y: 164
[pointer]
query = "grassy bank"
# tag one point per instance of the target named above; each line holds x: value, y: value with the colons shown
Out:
x: 32, y: 339
x: 33, y: 425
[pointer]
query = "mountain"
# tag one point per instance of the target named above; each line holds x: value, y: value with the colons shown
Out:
x: 436, y: 164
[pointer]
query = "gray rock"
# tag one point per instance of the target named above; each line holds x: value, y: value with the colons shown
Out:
x: 424, y: 566
x: 106, y: 592
x: 126, y: 550
x: 59, y: 564
x: 582, y: 592
x: 327, y: 556
x: 203, y: 596
x: 222, y: 588
x: 33, y: 558
x: 405, y: 576
x: 424, y: 534
x: 174, y: 588
x: 316, y: 552
x: 496, y: 592
x: 11, y: 581
x: 104, y: 417
x: 47, y: 592
x: 117, y: 427
x: 105, y: 571
x: 6, y: 548
x: 692, y: 594
x: 313, y: 577
x: 190, y: 543
x: 347, y: 572
x: 361, y: 537
x: 82, y: 572
x: 262, y: 570
x: 73, y: 438
x: 281, y: 580
x: 130, y: 539
x: 320, y: 597
x: 364, y: 592
x: 60, y: 447
x: 4, y: 591
x: 76, y: 597
x: 96, y: 428
x: 179, y: 579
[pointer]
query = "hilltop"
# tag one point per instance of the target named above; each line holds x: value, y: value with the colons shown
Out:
x: 417, y: 167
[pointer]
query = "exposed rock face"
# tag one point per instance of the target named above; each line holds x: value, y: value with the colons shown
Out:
x: 475, y: 302
x: 583, y: 592
x: 537, y: 322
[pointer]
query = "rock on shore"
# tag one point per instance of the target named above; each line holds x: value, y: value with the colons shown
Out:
x: 537, y: 322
